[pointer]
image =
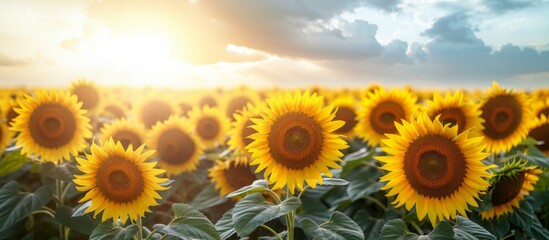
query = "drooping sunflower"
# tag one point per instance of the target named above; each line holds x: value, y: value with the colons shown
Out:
x: 540, y: 132
x: 87, y: 93
x: 153, y: 109
x: 507, y: 117
x: 379, y: 111
x: 229, y: 176
x: 210, y: 124
x: 178, y: 149
x: 509, y: 186
x: 240, y: 131
x: 237, y: 101
x: 5, y: 136
x: 434, y: 168
x: 125, y: 131
x: 347, y: 112
x: 119, y: 182
x: 295, y: 140
x: 455, y: 109
x: 51, y: 125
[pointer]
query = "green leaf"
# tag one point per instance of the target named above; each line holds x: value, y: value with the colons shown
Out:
x: 352, y: 160
x: 206, y: 198
x: 523, y: 216
x: 338, y: 227
x: 252, y: 211
x: 82, y: 224
x: 313, y: 208
x: 63, y: 171
x: 188, y: 223
x: 396, y: 230
x: 21, y: 206
x: 81, y: 210
x: 108, y: 231
x: 442, y: 231
x: 334, y: 182
x: 499, y: 227
x: 12, y: 162
x: 535, y: 156
x: 257, y: 186
x: 468, y: 230
x: 225, y: 225
x: 538, y: 231
x: 363, y: 182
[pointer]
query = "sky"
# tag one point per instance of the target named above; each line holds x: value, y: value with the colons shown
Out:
x: 283, y: 43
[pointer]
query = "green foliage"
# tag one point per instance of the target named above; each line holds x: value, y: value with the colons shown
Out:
x: 207, y: 198
x: 15, y: 206
x: 12, y: 162
x: 83, y: 224
x: 463, y: 230
x: 188, y: 223
x: 253, y: 210
x: 338, y: 227
x: 109, y: 231
x: 225, y: 225
x: 257, y: 186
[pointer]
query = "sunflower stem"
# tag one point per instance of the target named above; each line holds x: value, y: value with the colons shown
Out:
x: 60, y: 202
x: 151, y: 234
x: 290, y: 217
x: 377, y: 202
x: 271, y: 230
x: 139, y: 229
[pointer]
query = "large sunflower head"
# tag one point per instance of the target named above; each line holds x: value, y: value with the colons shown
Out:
x: 509, y: 186
x: 5, y: 136
x: 124, y: 131
x: 51, y: 125
x: 434, y: 168
x: 87, y: 93
x: 210, y: 124
x: 379, y: 111
x: 295, y: 140
x: 229, y: 176
x: 177, y: 148
x: 455, y: 109
x: 347, y: 112
x: 153, y: 109
x: 507, y: 118
x: 540, y: 132
x: 241, y: 130
x: 119, y: 182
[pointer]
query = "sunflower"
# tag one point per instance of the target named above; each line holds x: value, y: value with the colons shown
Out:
x: 125, y: 131
x: 454, y: 109
x: 119, y: 182
x: 380, y: 110
x: 434, y: 168
x: 52, y: 125
x: 87, y: 93
x: 507, y: 119
x: 208, y: 99
x: 540, y: 132
x: 5, y: 136
x: 295, y: 140
x: 176, y: 147
x: 211, y: 125
x: 229, y: 176
x: 237, y: 101
x: 114, y: 110
x: 153, y: 109
x: 240, y: 131
x: 8, y: 110
x: 541, y: 106
x: 509, y: 186
x: 346, y: 111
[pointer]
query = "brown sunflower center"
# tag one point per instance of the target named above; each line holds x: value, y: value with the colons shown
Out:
x: 452, y: 116
x: 544, y: 111
x: 185, y: 108
x: 127, y: 137
x: 207, y: 101
x: 155, y: 111
x: 119, y: 180
x: 503, y: 115
x: 295, y: 140
x: 507, y: 188
x: 434, y: 166
x: 175, y: 147
x: 348, y: 115
x: 239, y: 176
x: 207, y: 127
x: 247, y: 131
x: 384, y: 115
x: 52, y: 125
x: 115, y: 111
x: 541, y: 133
x: 236, y: 104
x: 88, y: 96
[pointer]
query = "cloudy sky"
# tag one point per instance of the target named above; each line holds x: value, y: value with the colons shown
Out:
x: 287, y: 43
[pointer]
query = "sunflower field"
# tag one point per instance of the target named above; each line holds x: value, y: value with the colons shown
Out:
x: 94, y: 162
